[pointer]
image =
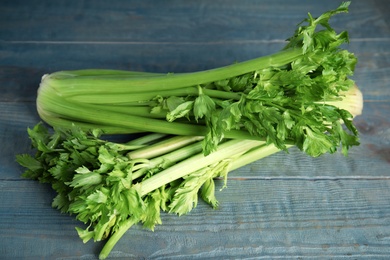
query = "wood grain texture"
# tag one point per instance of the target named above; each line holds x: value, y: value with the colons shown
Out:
x: 177, y: 21
x: 286, y: 206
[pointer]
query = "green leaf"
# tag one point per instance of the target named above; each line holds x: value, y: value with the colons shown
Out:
x: 208, y: 193
x: 134, y: 202
x: 242, y: 83
x: 214, y: 136
x: 184, y: 201
x: 203, y: 106
x: 63, y: 170
x: 306, y: 35
x: 287, y: 119
x: 105, y: 223
x: 106, y: 156
x: 85, y: 178
x: 185, y: 197
x: 151, y: 216
x: 347, y: 139
x: 182, y: 110
x: 85, y: 234
x: 61, y: 202
x: 223, y: 84
x: 316, y: 144
x: 38, y: 134
x: 97, y: 197
x: 29, y: 162
x: 172, y: 102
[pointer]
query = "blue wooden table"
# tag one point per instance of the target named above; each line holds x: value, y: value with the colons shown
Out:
x: 284, y: 206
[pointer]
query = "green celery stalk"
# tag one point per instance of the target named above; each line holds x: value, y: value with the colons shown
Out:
x: 129, y: 98
x: 167, y: 145
x: 70, y: 86
x: 225, y: 150
x: 110, y: 243
x: 163, y: 161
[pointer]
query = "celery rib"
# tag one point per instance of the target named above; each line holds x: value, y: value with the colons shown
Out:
x: 194, y: 163
x: 141, y: 96
x: 114, y: 238
x: 255, y: 155
x: 132, y: 84
x: 163, y: 147
x: 169, y: 159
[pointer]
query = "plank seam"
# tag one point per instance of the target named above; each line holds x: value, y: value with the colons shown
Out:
x: 173, y: 42
x: 271, y: 178
x: 308, y: 178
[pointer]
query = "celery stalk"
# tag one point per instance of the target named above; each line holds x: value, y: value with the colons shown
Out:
x: 69, y: 86
x: 181, y: 169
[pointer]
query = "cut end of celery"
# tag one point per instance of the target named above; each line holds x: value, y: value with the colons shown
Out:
x: 358, y: 108
x: 352, y: 101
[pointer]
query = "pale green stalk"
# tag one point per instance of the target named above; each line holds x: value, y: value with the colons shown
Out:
x: 194, y: 163
x: 142, y: 111
x: 56, y: 121
x: 255, y: 155
x: 163, y: 147
x: 114, y: 238
x: 147, y: 139
x: 141, y: 95
x: 101, y: 72
x: 166, y: 160
x: 69, y: 86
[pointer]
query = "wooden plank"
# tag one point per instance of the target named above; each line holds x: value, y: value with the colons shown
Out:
x: 30, y: 228
x: 285, y: 206
x: 256, y: 218
x: 174, y: 21
x: 14, y: 121
x: 153, y: 57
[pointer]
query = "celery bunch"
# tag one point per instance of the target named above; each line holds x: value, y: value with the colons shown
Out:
x: 197, y: 126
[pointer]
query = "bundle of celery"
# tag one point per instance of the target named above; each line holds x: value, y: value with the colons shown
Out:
x: 197, y: 126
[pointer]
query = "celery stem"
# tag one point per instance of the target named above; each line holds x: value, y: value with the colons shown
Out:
x: 255, y: 155
x: 163, y: 147
x: 146, y: 139
x: 169, y: 159
x: 80, y: 85
x: 194, y: 163
x: 114, y: 238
